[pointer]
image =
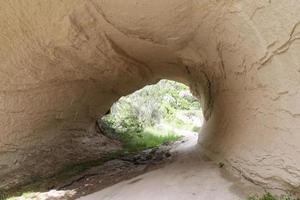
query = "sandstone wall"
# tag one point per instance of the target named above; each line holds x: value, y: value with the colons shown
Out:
x: 62, y: 63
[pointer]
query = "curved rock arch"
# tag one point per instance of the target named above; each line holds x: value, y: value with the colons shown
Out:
x: 64, y: 62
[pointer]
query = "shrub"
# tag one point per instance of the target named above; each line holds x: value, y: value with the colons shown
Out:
x: 148, y: 106
x: 269, y: 196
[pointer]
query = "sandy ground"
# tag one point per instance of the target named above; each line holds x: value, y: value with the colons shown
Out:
x: 189, y: 176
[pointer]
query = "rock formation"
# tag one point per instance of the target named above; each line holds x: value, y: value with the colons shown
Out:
x: 62, y: 63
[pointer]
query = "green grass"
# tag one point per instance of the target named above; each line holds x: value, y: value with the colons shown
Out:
x: 180, y: 124
x: 25, y: 195
x: 149, y: 138
x: 269, y: 196
x: 196, y: 129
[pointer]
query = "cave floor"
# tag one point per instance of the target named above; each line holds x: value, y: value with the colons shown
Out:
x: 174, y: 171
x: 188, y: 176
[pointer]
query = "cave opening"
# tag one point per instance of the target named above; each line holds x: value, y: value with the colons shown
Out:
x: 155, y: 115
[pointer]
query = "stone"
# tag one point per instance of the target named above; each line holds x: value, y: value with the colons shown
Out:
x: 64, y: 63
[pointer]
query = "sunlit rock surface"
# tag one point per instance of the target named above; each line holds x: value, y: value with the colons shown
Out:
x: 62, y: 63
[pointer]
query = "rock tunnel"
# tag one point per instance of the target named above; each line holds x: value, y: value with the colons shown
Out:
x: 62, y: 63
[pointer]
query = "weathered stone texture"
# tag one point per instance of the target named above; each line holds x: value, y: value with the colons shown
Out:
x: 62, y: 63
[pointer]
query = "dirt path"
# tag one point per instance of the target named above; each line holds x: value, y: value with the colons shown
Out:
x: 188, y: 177
x: 173, y: 171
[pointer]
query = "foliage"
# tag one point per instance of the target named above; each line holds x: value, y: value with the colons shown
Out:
x: 269, y: 196
x: 125, y: 117
x: 148, y: 106
x: 2, y: 195
x: 134, y: 142
x: 25, y: 195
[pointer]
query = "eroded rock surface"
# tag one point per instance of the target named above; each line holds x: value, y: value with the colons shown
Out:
x: 62, y: 63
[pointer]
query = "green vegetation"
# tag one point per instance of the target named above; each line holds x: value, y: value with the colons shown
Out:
x: 166, y: 101
x: 148, y: 117
x: 149, y: 138
x: 269, y: 196
x: 25, y: 195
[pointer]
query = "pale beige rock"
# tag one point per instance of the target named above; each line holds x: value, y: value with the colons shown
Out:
x: 62, y: 63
